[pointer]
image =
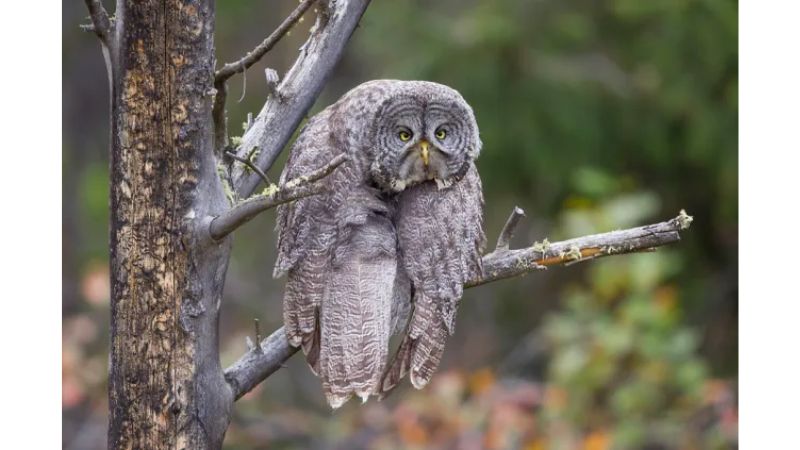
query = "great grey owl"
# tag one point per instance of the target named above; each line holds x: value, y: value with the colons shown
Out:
x: 389, y: 247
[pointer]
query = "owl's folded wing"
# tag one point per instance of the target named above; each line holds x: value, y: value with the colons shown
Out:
x: 306, y: 231
x: 440, y: 237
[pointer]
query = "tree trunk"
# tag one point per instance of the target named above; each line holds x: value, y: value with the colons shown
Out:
x: 167, y: 388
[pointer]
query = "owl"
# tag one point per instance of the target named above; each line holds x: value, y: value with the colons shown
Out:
x: 387, y: 249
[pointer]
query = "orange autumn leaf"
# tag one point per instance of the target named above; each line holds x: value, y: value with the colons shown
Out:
x: 481, y: 381
x: 597, y: 440
x: 537, y: 444
x: 666, y: 298
x: 555, y: 397
x: 409, y: 428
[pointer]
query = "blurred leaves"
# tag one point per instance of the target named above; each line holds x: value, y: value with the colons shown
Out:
x: 622, y: 361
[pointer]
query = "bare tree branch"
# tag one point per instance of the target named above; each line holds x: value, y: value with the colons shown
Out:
x: 252, y: 57
x: 504, y: 263
x: 299, y: 88
x: 296, y: 188
x: 219, y: 117
x: 101, y: 24
x: 258, y: 364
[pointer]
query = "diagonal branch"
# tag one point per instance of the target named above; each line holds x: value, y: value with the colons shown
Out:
x: 299, y: 88
x: 296, y: 188
x: 101, y: 24
x: 240, y: 66
x: 258, y: 364
x: 252, y: 57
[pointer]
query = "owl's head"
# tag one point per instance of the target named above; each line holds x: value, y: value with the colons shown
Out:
x: 422, y: 131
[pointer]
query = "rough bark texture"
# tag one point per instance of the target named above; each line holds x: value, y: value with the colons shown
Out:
x: 166, y: 388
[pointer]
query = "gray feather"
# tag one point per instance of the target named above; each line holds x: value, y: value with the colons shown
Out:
x: 441, y: 239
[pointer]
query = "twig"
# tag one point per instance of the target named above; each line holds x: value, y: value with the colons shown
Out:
x: 252, y: 57
x: 230, y: 69
x: 299, y: 88
x: 253, y: 368
x: 244, y: 86
x: 258, y: 335
x: 101, y: 24
x: 249, y: 122
x: 253, y: 167
x: 509, y: 228
x: 273, y: 196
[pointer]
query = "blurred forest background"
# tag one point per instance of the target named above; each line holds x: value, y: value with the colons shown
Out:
x: 595, y: 115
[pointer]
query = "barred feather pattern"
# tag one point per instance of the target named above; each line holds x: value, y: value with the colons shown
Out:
x: 356, y: 310
x: 440, y: 235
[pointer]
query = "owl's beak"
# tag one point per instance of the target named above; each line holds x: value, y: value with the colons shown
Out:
x: 424, y: 152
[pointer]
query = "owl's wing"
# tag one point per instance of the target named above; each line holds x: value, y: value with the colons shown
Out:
x: 306, y: 231
x: 339, y: 252
x: 440, y: 237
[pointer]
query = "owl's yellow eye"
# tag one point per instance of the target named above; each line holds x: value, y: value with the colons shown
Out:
x: 441, y: 133
x: 404, y: 135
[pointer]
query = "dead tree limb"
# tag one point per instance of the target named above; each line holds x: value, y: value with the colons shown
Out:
x: 504, y: 263
x: 273, y: 196
x: 258, y: 364
x: 296, y: 93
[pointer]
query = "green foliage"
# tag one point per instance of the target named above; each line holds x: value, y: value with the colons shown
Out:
x: 622, y: 363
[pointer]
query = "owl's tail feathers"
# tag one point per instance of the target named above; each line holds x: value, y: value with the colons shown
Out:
x: 301, y: 313
x: 422, y: 348
x: 311, y: 346
x: 420, y: 357
x: 427, y: 354
x: 398, y: 368
x: 355, y: 320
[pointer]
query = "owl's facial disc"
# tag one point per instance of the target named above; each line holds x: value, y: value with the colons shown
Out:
x: 428, y: 134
